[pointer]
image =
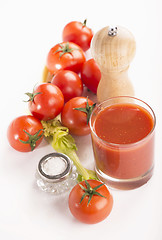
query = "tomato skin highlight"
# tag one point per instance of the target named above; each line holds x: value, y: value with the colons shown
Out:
x: 78, y: 33
x: 76, y: 120
x: 68, y: 61
x: 97, y: 210
x: 48, y: 104
x: 16, y: 129
x: 91, y: 75
x: 69, y: 83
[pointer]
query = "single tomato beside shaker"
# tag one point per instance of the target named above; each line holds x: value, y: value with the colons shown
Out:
x: 90, y: 201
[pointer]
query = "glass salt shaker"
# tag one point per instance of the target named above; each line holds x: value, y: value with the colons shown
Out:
x: 56, y: 173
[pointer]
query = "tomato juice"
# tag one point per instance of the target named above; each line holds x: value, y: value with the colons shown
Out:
x: 123, y: 141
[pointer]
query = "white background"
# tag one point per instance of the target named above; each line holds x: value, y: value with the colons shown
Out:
x: 28, y: 29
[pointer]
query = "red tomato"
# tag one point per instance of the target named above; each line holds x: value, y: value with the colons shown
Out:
x: 66, y: 55
x: 78, y: 33
x: 69, y: 83
x: 46, y: 102
x: 90, y: 209
x: 25, y: 133
x: 91, y: 75
x: 77, y: 120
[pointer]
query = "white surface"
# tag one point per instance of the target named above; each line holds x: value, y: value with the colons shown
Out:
x: 28, y: 29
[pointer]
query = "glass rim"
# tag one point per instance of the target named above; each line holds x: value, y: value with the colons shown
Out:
x: 54, y: 177
x: 122, y: 144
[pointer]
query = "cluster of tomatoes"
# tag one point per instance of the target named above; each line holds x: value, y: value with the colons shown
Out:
x: 67, y: 70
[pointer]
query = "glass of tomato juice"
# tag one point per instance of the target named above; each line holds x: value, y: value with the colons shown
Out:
x: 122, y: 132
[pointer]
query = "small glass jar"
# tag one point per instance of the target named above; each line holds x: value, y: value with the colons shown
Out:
x: 56, y: 173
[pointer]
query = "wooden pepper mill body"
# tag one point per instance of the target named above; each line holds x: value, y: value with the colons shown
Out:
x: 113, y: 49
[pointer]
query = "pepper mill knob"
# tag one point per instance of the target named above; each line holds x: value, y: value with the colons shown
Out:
x: 112, y: 31
x: 113, y: 48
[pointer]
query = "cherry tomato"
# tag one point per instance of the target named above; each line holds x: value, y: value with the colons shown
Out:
x: 75, y: 115
x: 66, y: 55
x: 91, y: 75
x: 25, y: 133
x: 69, y: 83
x: 90, y: 201
x: 46, y: 102
x: 78, y: 33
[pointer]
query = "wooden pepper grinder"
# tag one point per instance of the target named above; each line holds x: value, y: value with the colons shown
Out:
x: 113, y: 48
